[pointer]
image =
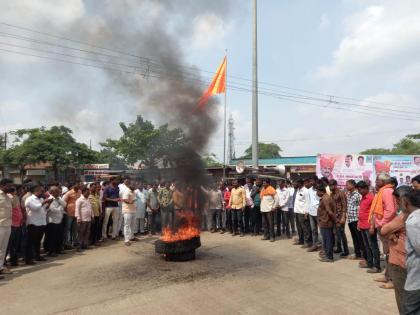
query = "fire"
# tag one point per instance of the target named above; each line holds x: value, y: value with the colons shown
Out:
x: 187, y: 228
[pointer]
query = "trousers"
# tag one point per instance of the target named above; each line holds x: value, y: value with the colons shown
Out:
x: 71, y: 230
x: 14, y: 246
x: 167, y: 216
x: 95, y: 230
x: 114, y: 212
x: 237, y: 215
x: 4, y: 240
x: 303, y: 222
x: 372, y: 249
x: 411, y: 302
x: 52, y: 238
x: 268, y: 223
x: 35, y: 234
x: 398, y: 275
x: 356, y: 236
x: 328, y: 242
x: 128, y: 226
x: 83, y: 229
x: 279, y: 215
x: 342, y: 244
x: 255, y: 220
x: 313, y: 220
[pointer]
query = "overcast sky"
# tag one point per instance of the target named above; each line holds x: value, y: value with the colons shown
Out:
x: 364, y: 50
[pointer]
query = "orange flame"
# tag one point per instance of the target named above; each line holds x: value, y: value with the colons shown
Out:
x: 188, y: 228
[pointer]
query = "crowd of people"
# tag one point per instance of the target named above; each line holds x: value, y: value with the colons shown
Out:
x: 38, y: 221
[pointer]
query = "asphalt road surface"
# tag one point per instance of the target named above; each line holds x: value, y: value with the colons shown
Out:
x: 231, y: 275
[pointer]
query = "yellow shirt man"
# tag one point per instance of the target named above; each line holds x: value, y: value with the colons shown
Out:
x: 237, y: 198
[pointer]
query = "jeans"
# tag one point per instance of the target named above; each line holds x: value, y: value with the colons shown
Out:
x: 83, y: 229
x: 14, y: 243
x: 313, y: 220
x: 114, y: 212
x: 4, y: 240
x: 301, y: 235
x: 256, y: 220
x: 286, y: 222
x: 167, y: 216
x: 372, y: 249
x: 359, y: 248
x: 342, y: 244
x: 398, y: 275
x: 411, y: 302
x: 215, y: 219
x: 71, y: 230
x: 35, y: 234
x: 52, y: 241
x: 303, y: 222
x: 328, y: 242
x: 237, y: 215
x: 152, y: 221
x: 128, y: 226
x: 268, y: 223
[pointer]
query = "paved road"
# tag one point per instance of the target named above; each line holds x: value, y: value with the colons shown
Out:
x: 230, y: 276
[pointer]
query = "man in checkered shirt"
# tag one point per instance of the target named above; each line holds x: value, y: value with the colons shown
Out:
x: 353, y: 203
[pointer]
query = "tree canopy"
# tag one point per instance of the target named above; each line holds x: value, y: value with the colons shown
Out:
x: 142, y: 141
x: 210, y: 161
x: 265, y: 151
x: 408, y: 145
x: 55, y: 145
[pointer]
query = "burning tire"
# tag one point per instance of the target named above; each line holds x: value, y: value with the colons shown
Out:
x: 177, y: 247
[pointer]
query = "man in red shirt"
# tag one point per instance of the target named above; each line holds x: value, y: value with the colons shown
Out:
x: 370, y: 240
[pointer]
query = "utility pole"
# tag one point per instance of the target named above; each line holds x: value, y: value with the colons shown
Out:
x: 231, y: 148
x: 255, y: 93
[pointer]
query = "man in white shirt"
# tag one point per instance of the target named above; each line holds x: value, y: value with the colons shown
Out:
x: 128, y: 211
x: 5, y: 221
x: 36, y: 220
x: 313, y: 214
x: 122, y: 187
x: 141, y: 197
x: 301, y: 209
x: 290, y: 205
x: 54, y: 231
x: 283, y: 194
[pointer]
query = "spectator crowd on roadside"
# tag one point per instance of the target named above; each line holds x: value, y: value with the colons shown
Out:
x: 37, y: 222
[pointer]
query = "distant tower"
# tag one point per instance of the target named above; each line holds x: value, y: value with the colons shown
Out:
x: 231, y: 144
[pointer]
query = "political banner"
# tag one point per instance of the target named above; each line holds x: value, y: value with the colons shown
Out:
x: 343, y: 167
x: 402, y: 167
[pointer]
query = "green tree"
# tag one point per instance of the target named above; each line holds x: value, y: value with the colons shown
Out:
x: 142, y: 141
x: 55, y: 145
x: 108, y: 156
x: 265, y: 151
x: 408, y: 145
x: 210, y: 160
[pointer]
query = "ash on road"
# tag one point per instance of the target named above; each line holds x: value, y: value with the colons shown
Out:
x: 231, y: 275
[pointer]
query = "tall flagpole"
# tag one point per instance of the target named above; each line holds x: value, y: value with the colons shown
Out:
x: 255, y: 94
x: 224, y: 124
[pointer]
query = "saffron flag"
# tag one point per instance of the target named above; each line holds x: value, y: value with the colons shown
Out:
x: 217, y: 85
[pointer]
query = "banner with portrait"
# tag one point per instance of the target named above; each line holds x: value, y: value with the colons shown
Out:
x: 343, y: 167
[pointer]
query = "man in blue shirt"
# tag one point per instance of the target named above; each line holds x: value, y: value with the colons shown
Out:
x: 111, y: 198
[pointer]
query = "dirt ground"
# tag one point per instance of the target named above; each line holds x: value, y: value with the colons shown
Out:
x: 231, y: 275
